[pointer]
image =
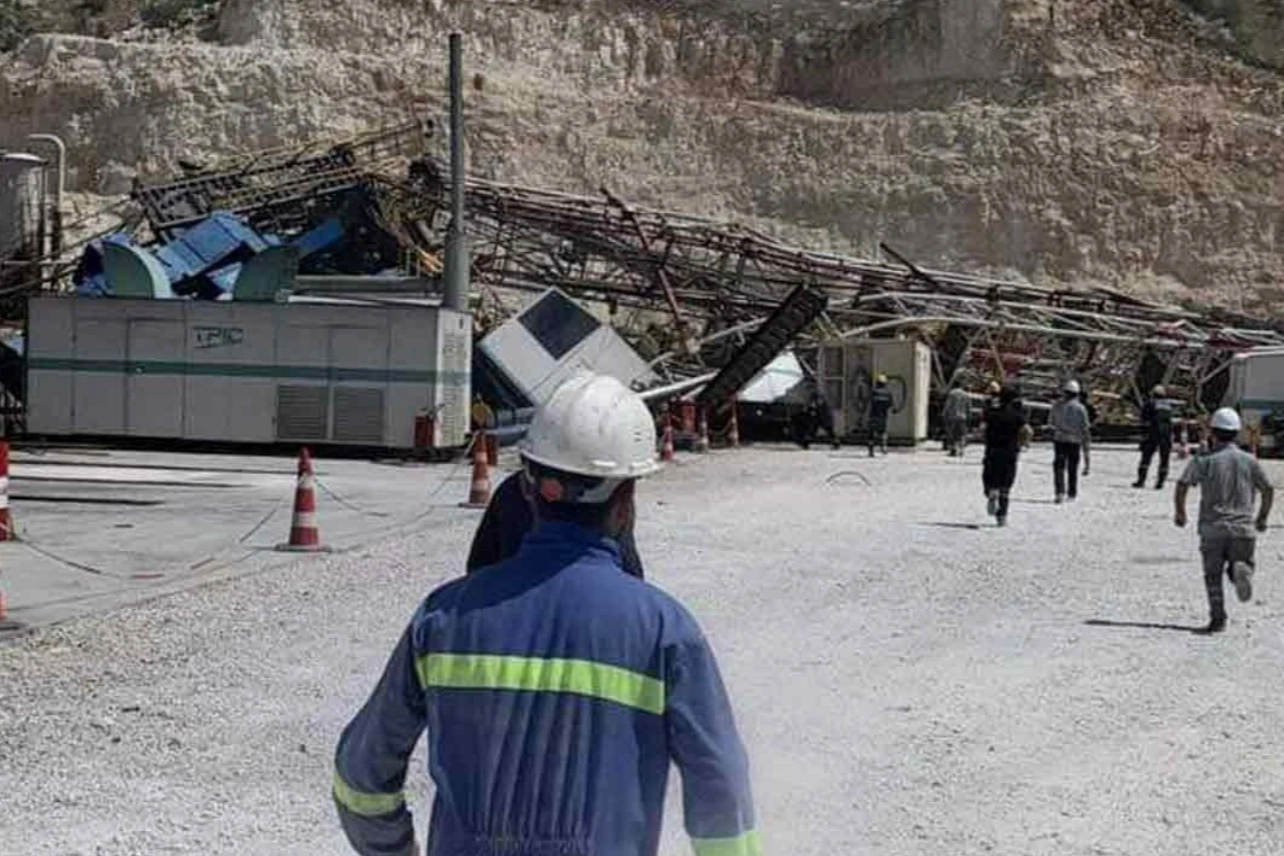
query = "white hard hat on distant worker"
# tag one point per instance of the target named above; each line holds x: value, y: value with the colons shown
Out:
x: 1158, y: 390
x: 1226, y: 419
x: 1072, y: 387
x: 596, y: 427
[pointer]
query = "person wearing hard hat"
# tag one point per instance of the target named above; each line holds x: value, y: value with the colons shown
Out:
x: 482, y: 416
x: 880, y: 407
x: 1156, y: 435
x: 554, y: 689
x: 1229, y: 480
x: 1006, y: 431
x: 1071, y: 437
x: 954, y: 414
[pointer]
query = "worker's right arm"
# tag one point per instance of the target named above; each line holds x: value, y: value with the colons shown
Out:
x: 1190, y: 477
x: 370, y: 763
x: 1267, y: 490
x: 716, y: 798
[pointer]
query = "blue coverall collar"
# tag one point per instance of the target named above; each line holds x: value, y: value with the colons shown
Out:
x: 555, y: 533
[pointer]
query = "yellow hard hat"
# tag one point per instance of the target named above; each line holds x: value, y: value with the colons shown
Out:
x: 994, y: 388
x: 882, y: 378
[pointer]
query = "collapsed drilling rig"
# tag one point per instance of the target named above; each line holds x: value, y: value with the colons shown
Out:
x: 688, y: 293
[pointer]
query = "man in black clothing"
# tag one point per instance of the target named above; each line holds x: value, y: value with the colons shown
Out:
x: 509, y: 517
x: 880, y: 406
x: 1006, y: 430
x: 1157, y: 435
x: 816, y: 417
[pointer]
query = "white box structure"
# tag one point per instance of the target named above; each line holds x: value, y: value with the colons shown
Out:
x: 340, y: 371
x: 847, y: 370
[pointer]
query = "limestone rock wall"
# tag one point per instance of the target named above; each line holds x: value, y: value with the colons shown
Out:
x: 1061, y: 142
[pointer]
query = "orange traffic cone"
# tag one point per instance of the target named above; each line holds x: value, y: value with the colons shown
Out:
x: 666, y: 440
x: 702, y: 435
x: 6, y: 519
x: 733, y: 432
x: 305, y: 537
x: 479, y: 490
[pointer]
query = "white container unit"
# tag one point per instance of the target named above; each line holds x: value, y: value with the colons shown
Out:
x: 554, y: 337
x: 347, y: 372
x: 1256, y: 389
x: 847, y: 370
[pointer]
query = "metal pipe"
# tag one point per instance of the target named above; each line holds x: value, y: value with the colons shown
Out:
x: 59, y: 190
x: 457, y: 263
x: 675, y: 388
x: 708, y: 340
x: 1023, y: 328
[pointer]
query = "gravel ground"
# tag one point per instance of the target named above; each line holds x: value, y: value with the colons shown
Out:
x: 909, y: 679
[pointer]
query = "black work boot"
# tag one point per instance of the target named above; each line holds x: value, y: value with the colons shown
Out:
x: 1216, y: 624
x: 1141, y: 478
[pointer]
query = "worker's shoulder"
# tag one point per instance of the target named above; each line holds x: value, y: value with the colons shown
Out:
x: 630, y: 601
x: 444, y: 595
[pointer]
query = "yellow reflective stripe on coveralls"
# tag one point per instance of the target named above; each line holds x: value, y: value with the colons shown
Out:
x: 365, y: 804
x: 580, y: 677
x: 744, y: 844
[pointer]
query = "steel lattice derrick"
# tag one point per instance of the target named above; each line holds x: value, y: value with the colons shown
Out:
x: 723, y: 277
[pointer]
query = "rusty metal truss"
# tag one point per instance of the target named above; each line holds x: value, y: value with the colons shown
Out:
x: 689, y: 289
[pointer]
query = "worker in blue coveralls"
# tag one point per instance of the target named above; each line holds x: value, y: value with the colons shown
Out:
x: 554, y: 689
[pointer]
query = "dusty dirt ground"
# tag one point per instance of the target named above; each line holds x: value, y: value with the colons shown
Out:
x: 909, y: 679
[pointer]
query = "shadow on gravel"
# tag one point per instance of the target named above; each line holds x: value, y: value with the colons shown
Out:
x: 1142, y: 625
x: 1016, y: 501
x: 945, y: 525
x: 1159, y: 560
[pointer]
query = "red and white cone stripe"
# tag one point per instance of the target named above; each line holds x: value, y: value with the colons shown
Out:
x: 6, y: 519
x: 304, y: 534
x: 479, y: 489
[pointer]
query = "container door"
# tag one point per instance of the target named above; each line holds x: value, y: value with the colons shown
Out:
x: 359, y: 371
x: 98, y: 386
x: 154, y: 389
x: 303, y: 388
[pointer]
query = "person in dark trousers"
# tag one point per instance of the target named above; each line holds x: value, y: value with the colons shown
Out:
x: 509, y: 517
x: 1071, y: 436
x: 816, y: 417
x: 880, y: 407
x: 802, y: 425
x: 1006, y: 431
x: 1229, y: 480
x: 955, y: 414
x: 1157, y: 435
x: 554, y: 692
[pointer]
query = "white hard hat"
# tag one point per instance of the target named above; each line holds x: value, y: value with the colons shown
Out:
x: 1158, y: 390
x: 593, y: 426
x: 1072, y: 387
x: 1226, y: 419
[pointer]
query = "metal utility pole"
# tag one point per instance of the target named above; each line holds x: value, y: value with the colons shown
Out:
x: 457, y: 265
x: 55, y: 248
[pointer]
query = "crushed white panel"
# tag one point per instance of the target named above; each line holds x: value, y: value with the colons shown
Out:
x: 552, y: 339
x: 783, y: 377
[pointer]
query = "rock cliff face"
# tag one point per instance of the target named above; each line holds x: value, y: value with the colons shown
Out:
x: 1109, y: 141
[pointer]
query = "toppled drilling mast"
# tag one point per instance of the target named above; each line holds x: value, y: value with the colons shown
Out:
x: 696, y: 298
x: 690, y: 290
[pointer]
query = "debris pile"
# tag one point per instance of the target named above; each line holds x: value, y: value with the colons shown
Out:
x: 695, y: 298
